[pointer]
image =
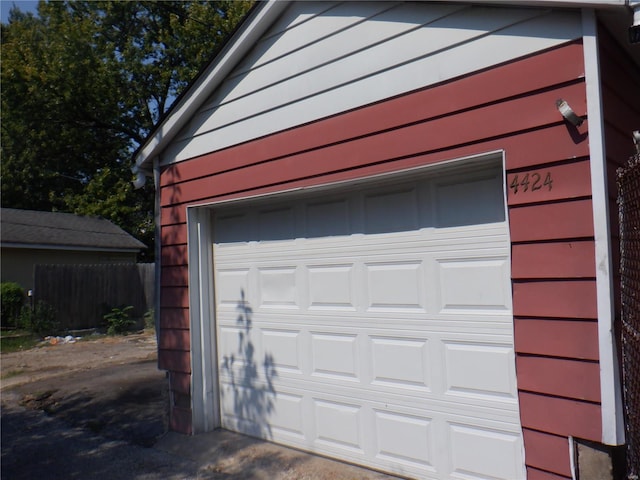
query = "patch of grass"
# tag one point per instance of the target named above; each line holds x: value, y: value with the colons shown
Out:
x: 12, y: 373
x: 13, y: 332
x: 17, y: 342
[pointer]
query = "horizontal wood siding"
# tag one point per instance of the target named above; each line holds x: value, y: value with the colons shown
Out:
x: 574, y: 378
x: 551, y: 452
x: 324, y: 59
x: 560, y: 416
x: 174, y: 340
x: 550, y: 337
x: 553, y: 260
x: 535, y: 474
x: 500, y: 108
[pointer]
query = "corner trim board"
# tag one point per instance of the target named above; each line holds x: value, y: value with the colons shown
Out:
x: 204, y: 382
x: 611, y: 392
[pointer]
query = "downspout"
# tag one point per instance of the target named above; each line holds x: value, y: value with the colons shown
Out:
x: 139, y: 182
x: 157, y: 245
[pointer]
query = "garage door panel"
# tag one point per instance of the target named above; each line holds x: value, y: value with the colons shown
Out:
x: 389, y: 356
x: 484, y: 407
x: 395, y: 285
x: 471, y: 280
x: 287, y: 417
x: 417, y: 432
x: 232, y: 286
x: 233, y: 346
x: 332, y: 286
x: 470, y: 283
x: 403, y: 438
x: 480, y: 370
x: 278, y: 287
x: 481, y: 453
x: 400, y: 363
x: 335, y: 355
x: 339, y: 425
x: 374, y: 324
x: 283, y: 348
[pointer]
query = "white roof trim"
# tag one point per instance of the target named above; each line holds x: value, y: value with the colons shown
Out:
x: 203, y: 87
x: 610, y: 388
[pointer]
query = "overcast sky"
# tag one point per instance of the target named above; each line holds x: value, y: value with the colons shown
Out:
x: 24, y: 5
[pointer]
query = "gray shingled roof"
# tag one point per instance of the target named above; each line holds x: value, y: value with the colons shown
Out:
x: 29, y: 228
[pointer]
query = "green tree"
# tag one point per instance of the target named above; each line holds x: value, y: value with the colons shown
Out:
x: 83, y: 83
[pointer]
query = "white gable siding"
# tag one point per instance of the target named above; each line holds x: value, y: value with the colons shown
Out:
x: 320, y: 59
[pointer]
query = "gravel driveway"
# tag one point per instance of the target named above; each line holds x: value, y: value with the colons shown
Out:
x: 98, y: 409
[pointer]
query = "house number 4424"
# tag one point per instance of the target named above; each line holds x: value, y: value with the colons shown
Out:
x: 531, y: 181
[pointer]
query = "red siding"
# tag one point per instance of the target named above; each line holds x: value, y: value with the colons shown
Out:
x: 535, y: 474
x: 181, y: 383
x: 574, y: 259
x: 557, y: 338
x: 172, y: 339
x: 177, y: 276
x: 509, y: 108
x: 431, y: 135
x: 560, y: 416
x: 174, y: 297
x: 559, y: 298
x: 174, y: 318
x: 174, y: 361
x: 557, y: 182
x: 573, y: 219
x: 180, y: 420
x: 174, y: 235
x: 173, y: 255
x: 559, y: 377
x: 548, y: 451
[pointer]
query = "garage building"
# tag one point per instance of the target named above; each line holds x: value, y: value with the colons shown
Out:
x: 388, y: 233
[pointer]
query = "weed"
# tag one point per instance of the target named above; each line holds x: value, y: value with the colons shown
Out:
x: 149, y: 319
x: 118, y: 320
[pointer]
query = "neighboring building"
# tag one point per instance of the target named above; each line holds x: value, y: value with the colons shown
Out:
x: 29, y: 238
x: 382, y: 241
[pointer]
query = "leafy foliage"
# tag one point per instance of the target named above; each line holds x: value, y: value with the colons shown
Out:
x: 149, y: 318
x: 83, y: 83
x: 11, y: 301
x: 41, y: 319
x: 118, y: 320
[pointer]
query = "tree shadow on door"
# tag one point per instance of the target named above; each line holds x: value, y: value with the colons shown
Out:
x: 253, y: 394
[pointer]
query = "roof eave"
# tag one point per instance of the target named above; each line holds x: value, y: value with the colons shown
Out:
x: 84, y: 248
x: 258, y: 21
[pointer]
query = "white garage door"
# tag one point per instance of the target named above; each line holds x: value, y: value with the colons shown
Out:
x: 373, y: 324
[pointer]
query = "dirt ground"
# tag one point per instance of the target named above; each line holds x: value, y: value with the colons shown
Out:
x: 98, y: 409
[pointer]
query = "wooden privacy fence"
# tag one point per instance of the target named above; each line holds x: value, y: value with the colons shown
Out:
x: 82, y: 294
